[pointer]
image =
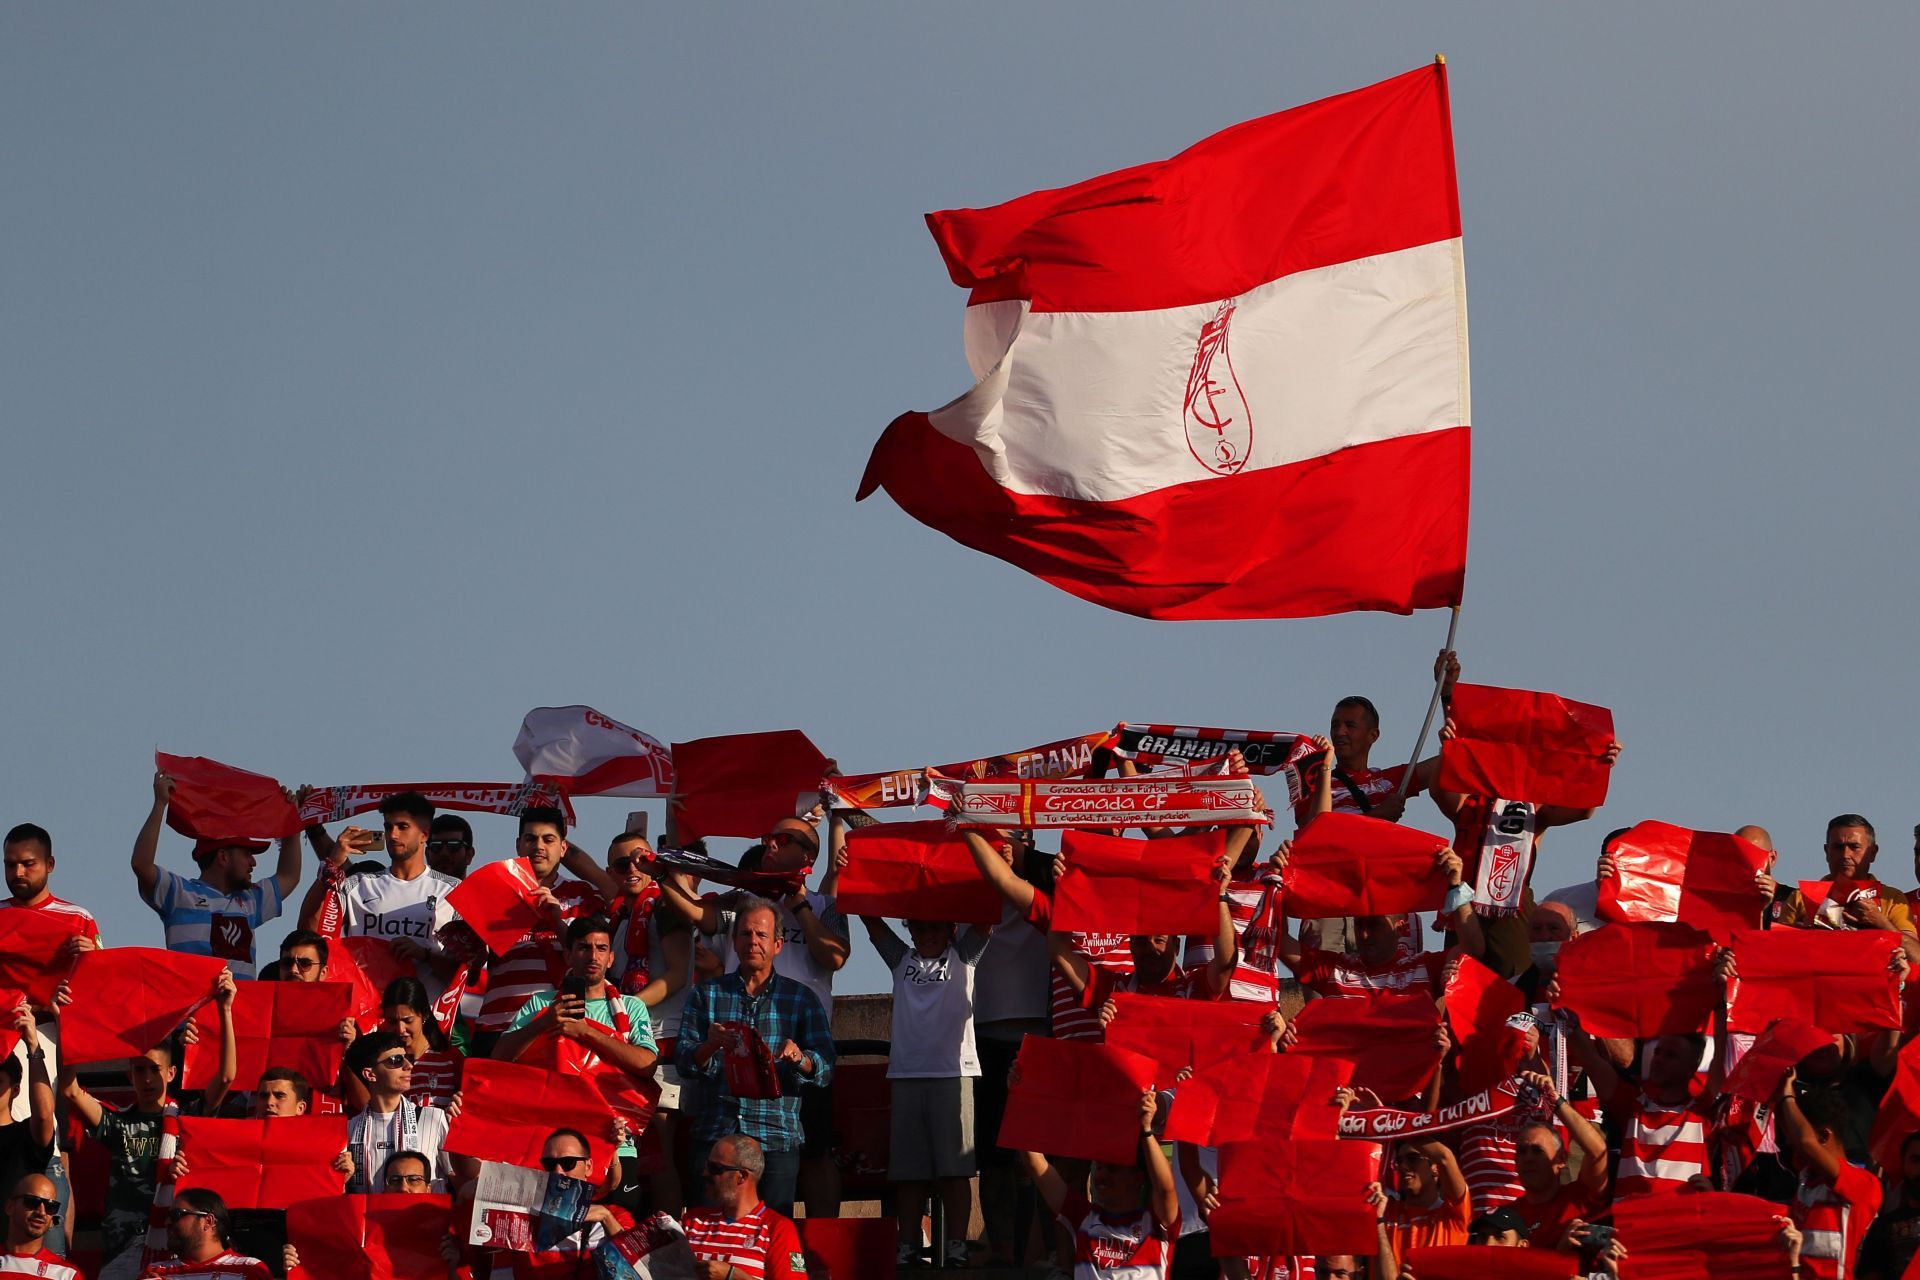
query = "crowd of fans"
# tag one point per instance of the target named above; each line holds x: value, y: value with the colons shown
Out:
x: 636, y: 966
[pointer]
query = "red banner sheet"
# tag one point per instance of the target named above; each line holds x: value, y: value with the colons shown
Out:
x: 217, y: 801
x: 1389, y: 1039
x: 1296, y: 1198
x: 1074, y: 1098
x: 30, y: 947
x: 1345, y: 864
x: 507, y: 1110
x: 1520, y: 745
x: 1664, y: 873
x: 496, y: 902
x: 264, y: 1164
x: 128, y: 999
x: 915, y: 871
x: 1640, y: 980
x: 1119, y: 885
x: 380, y: 1237
x: 1704, y: 1235
x: 1185, y: 1033
x: 275, y: 1024
x: 1836, y: 979
x: 740, y: 784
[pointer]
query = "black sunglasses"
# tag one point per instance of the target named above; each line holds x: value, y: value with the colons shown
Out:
x: 41, y: 1202
x: 720, y: 1170
x: 561, y: 1164
x: 441, y: 846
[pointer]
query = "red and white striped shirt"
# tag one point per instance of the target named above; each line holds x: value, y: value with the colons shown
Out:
x: 1073, y: 1019
x: 761, y: 1245
x: 89, y: 927
x: 1833, y: 1218
x: 1118, y: 1246
x: 1487, y: 1155
x: 1280, y: 1267
x: 43, y: 1262
x: 1661, y: 1145
x: 534, y: 963
x: 227, y: 1266
x: 1255, y: 905
x: 436, y: 1078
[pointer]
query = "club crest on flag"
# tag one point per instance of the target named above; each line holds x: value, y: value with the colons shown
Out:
x: 1218, y: 422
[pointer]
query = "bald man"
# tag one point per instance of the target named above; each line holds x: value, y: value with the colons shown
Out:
x: 32, y: 1211
x: 1775, y: 893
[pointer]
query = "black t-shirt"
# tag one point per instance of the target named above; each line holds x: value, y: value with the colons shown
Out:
x: 20, y: 1155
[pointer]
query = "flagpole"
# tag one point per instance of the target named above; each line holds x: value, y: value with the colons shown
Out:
x: 1433, y: 705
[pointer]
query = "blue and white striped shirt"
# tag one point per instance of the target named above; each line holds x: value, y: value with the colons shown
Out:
x: 202, y: 921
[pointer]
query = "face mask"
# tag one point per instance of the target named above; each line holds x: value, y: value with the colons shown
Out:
x: 1544, y: 953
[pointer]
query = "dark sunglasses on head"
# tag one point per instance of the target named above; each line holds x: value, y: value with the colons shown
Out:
x: 443, y: 846
x: 41, y: 1202
x: 561, y: 1164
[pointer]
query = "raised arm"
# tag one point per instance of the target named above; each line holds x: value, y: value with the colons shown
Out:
x: 1226, y: 942
x: 1592, y: 1143
x: 1163, y: 1199
x: 826, y: 941
x: 1467, y: 933
x: 146, y: 845
x: 39, y: 1089
x: 582, y: 866
x: 84, y: 1104
x: 676, y: 969
x: 229, y: 1068
x: 996, y: 872
x: 1453, y: 1184
x: 286, y: 872
x: 1798, y: 1136
x: 702, y: 913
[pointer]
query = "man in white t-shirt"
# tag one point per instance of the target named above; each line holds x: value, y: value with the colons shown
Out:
x: 931, y: 1070
x: 405, y: 906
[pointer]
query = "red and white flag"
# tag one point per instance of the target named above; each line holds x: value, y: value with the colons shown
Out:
x: 585, y: 753
x: 1230, y: 384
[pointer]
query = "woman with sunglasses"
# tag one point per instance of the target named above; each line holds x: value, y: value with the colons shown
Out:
x: 406, y: 1011
x: 32, y: 1212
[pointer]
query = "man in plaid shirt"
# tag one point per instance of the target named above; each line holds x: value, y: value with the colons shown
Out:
x: 794, y: 1028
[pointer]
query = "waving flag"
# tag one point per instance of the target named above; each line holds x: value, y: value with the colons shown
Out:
x: 585, y: 753
x: 1231, y: 384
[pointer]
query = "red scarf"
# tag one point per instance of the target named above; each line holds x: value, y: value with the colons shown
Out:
x: 635, y: 977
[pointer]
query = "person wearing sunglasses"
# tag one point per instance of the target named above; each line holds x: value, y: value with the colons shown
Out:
x: 389, y: 1123
x: 200, y: 1238
x: 450, y: 845
x: 565, y: 1153
x: 33, y: 1211
x: 652, y: 960
x: 408, y: 1173
x: 736, y: 1236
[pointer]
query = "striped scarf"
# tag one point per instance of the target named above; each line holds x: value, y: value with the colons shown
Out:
x: 155, y: 1248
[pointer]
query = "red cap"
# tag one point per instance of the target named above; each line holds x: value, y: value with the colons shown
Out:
x: 207, y: 847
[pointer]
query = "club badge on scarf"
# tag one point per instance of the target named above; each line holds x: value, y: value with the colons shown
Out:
x: 1506, y: 857
x: 748, y: 1064
x: 1265, y: 751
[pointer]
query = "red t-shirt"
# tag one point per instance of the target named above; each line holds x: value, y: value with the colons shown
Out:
x: 761, y: 1245
x: 1833, y: 1218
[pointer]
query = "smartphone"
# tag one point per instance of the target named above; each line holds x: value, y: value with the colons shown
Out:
x: 574, y: 985
x: 637, y: 823
x: 378, y: 843
x: 1599, y: 1237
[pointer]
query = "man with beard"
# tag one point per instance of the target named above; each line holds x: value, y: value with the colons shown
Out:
x: 200, y: 1238
x: 32, y: 1212
x: 217, y: 912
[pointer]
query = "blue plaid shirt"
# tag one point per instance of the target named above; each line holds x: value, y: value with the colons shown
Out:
x: 784, y: 1010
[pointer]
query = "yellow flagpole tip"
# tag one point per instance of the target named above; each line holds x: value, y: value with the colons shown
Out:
x: 1439, y: 59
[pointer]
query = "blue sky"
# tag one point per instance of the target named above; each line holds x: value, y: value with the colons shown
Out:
x: 375, y: 374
